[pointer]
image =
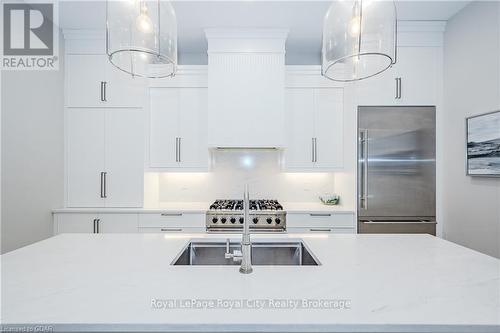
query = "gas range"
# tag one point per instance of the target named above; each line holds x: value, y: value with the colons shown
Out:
x: 227, y: 216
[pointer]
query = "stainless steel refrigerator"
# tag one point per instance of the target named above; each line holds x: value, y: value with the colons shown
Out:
x: 397, y: 169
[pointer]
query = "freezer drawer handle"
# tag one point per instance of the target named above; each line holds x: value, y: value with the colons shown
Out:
x: 320, y: 215
x: 399, y: 222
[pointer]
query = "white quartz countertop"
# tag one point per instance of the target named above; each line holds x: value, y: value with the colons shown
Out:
x: 391, y: 283
x: 202, y: 207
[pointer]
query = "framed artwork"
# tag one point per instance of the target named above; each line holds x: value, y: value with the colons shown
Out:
x: 483, y: 145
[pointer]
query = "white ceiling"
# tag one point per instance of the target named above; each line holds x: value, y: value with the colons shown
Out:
x: 302, y: 18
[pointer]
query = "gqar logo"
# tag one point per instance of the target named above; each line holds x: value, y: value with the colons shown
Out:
x: 28, y: 29
x: 28, y: 36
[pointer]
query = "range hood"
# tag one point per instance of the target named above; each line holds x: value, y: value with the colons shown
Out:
x: 246, y: 88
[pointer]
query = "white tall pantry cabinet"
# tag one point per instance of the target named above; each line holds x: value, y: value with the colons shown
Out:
x: 104, y: 130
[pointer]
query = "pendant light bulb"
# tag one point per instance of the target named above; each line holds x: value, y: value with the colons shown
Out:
x: 143, y: 21
x: 355, y: 26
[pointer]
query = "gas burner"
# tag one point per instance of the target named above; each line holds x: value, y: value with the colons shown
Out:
x: 227, y: 215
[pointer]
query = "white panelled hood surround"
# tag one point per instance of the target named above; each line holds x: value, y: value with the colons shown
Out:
x: 246, y: 87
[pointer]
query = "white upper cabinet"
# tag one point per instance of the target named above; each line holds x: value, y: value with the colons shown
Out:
x: 328, y: 128
x: 314, y: 125
x: 299, y: 151
x: 92, y: 81
x: 418, y: 70
x: 413, y: 80
x: 105, y: 157
x: 178, y: 128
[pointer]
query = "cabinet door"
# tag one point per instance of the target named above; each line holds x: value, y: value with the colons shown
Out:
x: 84, y: 76
x: 118, y: 223
x: 193, y: 148
x: 122, y: 89
x: 377, y: 90
x: 124, y: 157
x: 418, y: 68
x: 328, y: 123
x: 299, y: 115
x: 164, y: 125
x: 85, y: 157
x: 75, y: 223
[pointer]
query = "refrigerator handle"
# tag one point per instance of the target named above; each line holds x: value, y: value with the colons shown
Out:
x: 363, y: 138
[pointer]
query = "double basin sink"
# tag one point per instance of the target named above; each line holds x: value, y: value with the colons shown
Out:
x: 265, y: 253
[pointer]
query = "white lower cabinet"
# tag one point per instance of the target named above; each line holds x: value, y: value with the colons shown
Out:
x: 343, y: 223
x: 171, y: 222
x: 95, y: 223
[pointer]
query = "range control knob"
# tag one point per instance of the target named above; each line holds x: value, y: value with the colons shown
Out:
x: 255, y: 220
x: 214, y: 220
x: 241, y: 220
x: 223, y: 220
x: 233, y: 220
x: 277, y: 220
x: 269, y: 220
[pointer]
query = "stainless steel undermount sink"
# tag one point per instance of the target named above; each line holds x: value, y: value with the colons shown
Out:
x: 290, y: 252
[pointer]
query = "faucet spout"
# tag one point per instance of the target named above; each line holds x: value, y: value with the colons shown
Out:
x: 246, y: 244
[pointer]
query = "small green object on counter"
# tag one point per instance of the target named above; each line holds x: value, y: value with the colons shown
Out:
x: 330, y: 199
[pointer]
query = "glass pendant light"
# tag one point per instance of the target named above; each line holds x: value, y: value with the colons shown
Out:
x: 141, y: 37
x: 359, y: 39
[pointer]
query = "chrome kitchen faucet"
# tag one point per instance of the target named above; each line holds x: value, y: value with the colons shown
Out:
x: 246, y: 245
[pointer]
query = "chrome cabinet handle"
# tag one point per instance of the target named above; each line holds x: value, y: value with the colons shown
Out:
x: 98, y: 221
x: 398, y: 88
x: 180, y: 149
x: 105, y: 184
x: 102, y: 185
x: 105, y: 99
x: 93, y: 230
x: 102, y: 91
x: 320, y: 215
x: 177, y: 149
x: 171, y: 214
x: 312, y: 150
x: 315, y: 149
x: 320, y: 229
x: 171, y: 229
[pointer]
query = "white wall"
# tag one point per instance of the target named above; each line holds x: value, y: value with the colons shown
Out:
x: 32, y: 154
x: 471, y: 205
x: 234, y: 168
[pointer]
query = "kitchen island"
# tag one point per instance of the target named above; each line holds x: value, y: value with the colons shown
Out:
x: 365, y: 283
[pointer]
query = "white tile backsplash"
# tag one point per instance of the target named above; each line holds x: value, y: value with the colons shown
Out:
x: 231, y: 169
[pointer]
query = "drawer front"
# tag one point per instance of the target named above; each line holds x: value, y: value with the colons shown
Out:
x: 328, y: 230
x: 171, y: 230
x: 313, y: 220
x: 176, y: 220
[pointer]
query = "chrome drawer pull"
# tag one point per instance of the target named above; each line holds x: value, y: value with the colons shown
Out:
x: 320, y: 230
x: 320, y: 215
x: 171, y: 214
x: 171, y: 229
